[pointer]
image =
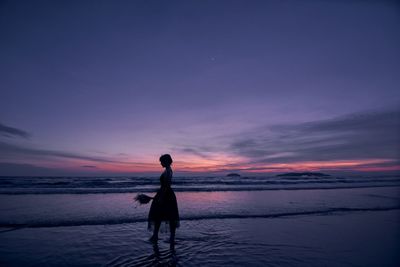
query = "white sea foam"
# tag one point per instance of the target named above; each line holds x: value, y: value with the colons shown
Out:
x: 91, y: 185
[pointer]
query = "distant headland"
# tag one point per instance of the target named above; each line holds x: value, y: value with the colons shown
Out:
x: 233, y: 175
x: 304, y: 174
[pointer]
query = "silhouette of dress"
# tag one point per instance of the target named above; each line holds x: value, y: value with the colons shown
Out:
x: 164, y: 207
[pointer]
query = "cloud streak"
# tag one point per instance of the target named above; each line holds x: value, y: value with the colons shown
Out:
x: 366, y: 140
x: 356, y: 136
x: 13, y: 132
x: 359, y: 141
x: 8, y: 150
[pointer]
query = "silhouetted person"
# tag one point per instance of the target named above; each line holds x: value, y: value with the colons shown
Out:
x: 164, y: 207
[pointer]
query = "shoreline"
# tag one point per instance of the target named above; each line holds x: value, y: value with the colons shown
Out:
x: 85, y: 191
x: 331, y: 211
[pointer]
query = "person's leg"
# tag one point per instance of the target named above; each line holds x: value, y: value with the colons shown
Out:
x: 172, y: 229
x: 155, y: 232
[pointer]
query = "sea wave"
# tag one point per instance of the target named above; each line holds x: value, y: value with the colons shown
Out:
x: 205, y: 188
x: 113, y: 221
x: 92, y: 185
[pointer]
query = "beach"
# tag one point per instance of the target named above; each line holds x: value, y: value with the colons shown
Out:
x: 341, y: 239
x: 355, y: 226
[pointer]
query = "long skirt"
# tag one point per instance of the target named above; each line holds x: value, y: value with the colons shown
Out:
x: 164, y: 208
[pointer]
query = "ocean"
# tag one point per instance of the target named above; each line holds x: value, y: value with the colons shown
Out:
x: 225, y: 221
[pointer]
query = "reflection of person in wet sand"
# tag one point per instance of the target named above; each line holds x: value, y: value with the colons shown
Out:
x: 164, y: 207
x: 163, y: 258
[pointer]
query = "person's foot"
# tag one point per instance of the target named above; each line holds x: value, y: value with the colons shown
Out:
x: 153, y: 239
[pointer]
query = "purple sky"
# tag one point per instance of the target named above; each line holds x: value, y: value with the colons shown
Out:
x: 221, y: 85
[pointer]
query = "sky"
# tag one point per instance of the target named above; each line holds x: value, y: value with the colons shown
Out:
x: 106, y: 87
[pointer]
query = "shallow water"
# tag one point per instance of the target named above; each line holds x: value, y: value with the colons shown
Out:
x: 44, y: 210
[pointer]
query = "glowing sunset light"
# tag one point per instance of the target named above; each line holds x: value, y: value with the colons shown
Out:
x: 226, y: 164
x: 214, y: 163
x: 321, y: 165
x: 378, y: 169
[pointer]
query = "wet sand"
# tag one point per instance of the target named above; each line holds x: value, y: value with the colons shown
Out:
x: 368, y: 238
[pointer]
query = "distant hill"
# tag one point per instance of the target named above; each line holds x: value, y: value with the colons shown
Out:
x: 304, y: 174
x: 233, y: 175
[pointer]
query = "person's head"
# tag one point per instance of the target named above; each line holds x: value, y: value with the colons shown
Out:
x: 166, y: 160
